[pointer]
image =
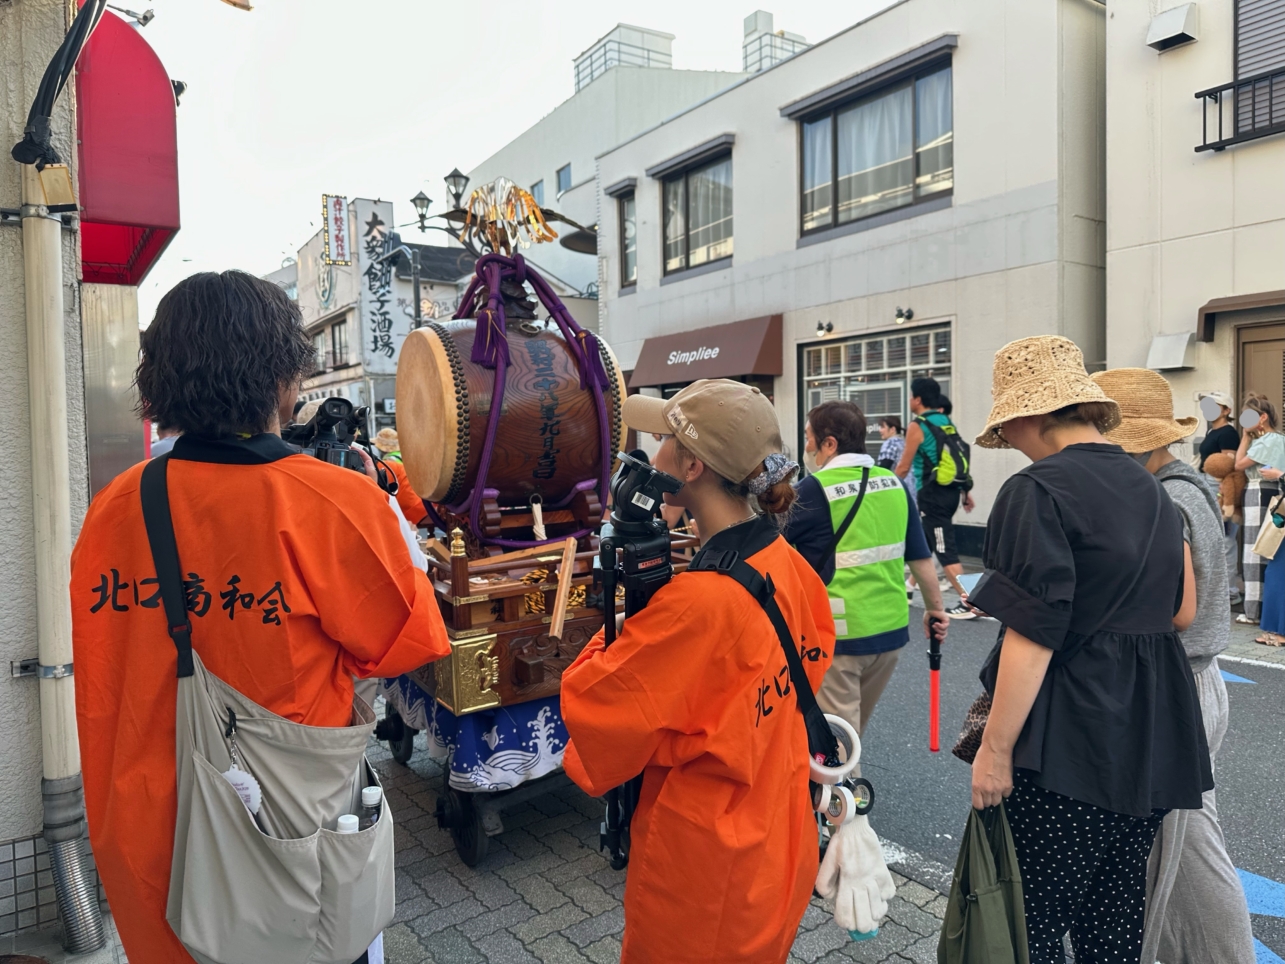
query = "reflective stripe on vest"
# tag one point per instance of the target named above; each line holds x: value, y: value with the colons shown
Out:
x: 867, y: 592
x: 866, y: 557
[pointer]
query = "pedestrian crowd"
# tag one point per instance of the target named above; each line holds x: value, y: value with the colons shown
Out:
x: 214, y: 776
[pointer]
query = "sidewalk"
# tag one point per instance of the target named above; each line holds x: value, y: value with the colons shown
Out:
x: 545, y: 894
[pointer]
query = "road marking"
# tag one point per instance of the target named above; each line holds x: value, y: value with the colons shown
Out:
x: 1263, y: 895
x: 1233, y: 678
x: 1264, y: 954
x: 1249, y: 662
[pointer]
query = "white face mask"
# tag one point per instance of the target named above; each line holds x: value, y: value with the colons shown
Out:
x: 810, y: 461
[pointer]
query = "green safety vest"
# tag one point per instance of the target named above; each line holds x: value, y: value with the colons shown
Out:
x: 868, y: 591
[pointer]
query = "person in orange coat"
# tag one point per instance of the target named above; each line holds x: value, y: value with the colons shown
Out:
x: 296, y: 575
x: 695, y: 694
x: 408, y: 499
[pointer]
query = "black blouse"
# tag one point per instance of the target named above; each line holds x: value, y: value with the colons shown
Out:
x: 1117, y: 720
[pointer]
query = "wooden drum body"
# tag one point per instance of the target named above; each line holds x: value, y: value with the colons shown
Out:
x: 547, y: 441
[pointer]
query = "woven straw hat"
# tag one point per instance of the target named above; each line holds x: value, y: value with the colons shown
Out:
x: 1146, y: 410
x: 386, y: 440
x: 1035, y: 376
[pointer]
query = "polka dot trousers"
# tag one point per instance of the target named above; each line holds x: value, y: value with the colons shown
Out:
x: 1084, y: 869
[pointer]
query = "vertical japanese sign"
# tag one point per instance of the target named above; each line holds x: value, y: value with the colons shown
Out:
x: 383, y: 328
x: 334, y: 209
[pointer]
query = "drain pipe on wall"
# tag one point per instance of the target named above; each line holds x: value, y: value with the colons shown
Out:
x: 61, y: 788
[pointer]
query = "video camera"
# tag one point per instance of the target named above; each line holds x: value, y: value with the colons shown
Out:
x: 329, y: 434
x: 634, y: 551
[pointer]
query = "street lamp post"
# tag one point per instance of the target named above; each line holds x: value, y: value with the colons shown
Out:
x: 396, y: 247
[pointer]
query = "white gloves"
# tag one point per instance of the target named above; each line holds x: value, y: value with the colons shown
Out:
x: 855, y: 877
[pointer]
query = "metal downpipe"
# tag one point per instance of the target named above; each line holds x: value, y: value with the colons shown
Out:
x: 61, y: 790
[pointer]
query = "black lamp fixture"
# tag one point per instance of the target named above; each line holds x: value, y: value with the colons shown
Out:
x: 457, y: 184
x: 421, y: 201
x: 903, y: 315
x: 825, y: 328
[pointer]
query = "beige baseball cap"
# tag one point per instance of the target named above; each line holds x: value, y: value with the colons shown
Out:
x: 729, y: 426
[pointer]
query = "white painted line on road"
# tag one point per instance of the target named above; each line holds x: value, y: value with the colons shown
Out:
x: 1250, y: 662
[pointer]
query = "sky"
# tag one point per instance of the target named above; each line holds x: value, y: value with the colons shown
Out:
x: 381, y: 99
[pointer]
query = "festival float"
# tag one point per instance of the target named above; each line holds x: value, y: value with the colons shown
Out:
x: 509, y: 419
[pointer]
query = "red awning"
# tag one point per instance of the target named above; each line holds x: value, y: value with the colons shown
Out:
x: 128, y: 155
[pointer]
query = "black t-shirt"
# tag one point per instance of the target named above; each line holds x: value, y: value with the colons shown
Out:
x: 1218, y: 440
x: 1117, y: 722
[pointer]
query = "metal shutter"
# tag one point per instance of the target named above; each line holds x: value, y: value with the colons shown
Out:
x: 1260, y: 36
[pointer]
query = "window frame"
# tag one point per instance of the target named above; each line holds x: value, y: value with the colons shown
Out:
x: 334, y: 344
x: 909, y: 370
x: 832, y: 111
x: 539, y: 197
x: 683, y: 174
x: 557, y: 179
x: 632, y: 198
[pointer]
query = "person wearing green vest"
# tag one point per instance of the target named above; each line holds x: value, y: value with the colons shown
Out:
x: 863, y: 567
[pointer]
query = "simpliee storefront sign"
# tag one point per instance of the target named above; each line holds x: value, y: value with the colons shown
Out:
x: 751, y: 347
x: 687, y: 357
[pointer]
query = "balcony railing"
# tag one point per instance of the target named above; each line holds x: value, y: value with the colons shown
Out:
x: 1243, y: 110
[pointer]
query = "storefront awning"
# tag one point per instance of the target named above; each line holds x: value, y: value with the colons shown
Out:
x: 1210, y: 310
x: 751, y: 347
x: 128, y: 174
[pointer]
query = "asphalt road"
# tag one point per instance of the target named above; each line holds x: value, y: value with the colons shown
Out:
x: 922, y: 798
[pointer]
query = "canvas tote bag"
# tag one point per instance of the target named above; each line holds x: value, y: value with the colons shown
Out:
x: 282, y: 885
x: 986, y: 916
x: 1270, y: 535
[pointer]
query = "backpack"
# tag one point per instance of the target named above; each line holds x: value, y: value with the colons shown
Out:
x: 954, y: 457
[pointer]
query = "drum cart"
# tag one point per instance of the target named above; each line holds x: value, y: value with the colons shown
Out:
x: 515, y: 624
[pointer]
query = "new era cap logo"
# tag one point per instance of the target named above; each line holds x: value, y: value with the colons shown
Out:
x: 690, y: 431
x: 680, y: 424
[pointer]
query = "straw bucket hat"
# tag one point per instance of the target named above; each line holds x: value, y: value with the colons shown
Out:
x: 386, y: 440
x: 1146, y: 410
x: 1036, y: 376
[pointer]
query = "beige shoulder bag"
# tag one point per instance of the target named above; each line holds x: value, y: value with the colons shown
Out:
x: 1270, y: 535
x: 279, y: 884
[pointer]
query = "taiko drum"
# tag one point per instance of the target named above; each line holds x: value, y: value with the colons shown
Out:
x: 547, y: 440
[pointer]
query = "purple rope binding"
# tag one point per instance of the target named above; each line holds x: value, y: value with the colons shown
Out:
x: 491, y: 350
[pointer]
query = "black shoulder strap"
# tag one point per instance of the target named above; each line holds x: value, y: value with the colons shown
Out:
x: 821, y: 741
x: 852, y: 514
x: 154, y: 490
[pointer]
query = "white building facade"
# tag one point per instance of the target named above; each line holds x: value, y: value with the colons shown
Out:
x: 901, y: 199
x: 1196, y: 194
x: 624, y: 84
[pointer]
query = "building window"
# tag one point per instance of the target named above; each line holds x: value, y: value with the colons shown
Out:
x: 564, y: 179
x: 339, y: 342
x: 698, y: 216
x: 875, y: 372
x: 880, y: 153
x: 319, y: 349
x: 628, y: 241
x: 537, y: 192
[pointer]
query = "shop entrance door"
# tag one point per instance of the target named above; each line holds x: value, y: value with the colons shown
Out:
x: 1262, y: 363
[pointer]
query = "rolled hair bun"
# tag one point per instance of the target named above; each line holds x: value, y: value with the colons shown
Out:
x: 778, y: 499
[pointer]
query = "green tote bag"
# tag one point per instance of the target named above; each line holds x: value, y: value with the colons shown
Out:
x: 985, y: 918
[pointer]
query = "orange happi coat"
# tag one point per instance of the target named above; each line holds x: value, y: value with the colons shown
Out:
x: 297, y: 579
x: 695, y: 695
x: 408, y: 499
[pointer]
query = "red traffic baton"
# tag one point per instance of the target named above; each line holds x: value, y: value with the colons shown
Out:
x: 934, y: 688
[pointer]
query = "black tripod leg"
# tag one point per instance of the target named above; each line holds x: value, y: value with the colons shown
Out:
x: 614, y: 830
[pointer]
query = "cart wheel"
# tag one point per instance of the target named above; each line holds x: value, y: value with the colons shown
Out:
x: 466, y: 828
x: 401, y: 739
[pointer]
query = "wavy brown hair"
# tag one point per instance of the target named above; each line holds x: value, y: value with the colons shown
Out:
x: 220, y: 352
